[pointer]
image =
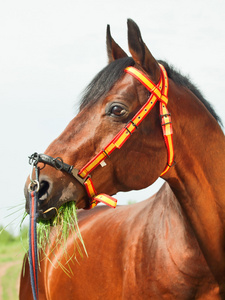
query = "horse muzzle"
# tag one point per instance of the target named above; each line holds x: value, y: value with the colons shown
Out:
x: 55, y: 189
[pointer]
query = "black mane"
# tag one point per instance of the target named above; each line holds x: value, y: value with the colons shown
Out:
x: 105, y: 80
x: 108, y: 76
x: 184, y: 81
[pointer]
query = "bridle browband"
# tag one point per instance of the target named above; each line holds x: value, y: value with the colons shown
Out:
x: 159, y: 93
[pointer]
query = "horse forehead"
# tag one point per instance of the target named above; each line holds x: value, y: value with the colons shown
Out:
x: 125, y: 84
x: 125, y: 89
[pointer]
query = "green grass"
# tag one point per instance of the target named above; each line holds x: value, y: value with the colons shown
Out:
x: 10, y: 246
x: 65, y: 223
x: 11, y: 259
x: 11, y: 252
x: 10, y: 282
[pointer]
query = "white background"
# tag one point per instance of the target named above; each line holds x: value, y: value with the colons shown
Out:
x: 50, y: 50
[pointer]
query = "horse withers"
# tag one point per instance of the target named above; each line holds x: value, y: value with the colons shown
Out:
x: 170, y: 246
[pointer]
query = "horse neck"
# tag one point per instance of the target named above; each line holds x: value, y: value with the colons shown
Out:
x: 198, y: 178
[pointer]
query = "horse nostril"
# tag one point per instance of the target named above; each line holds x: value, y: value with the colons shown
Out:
x: 44, y: 190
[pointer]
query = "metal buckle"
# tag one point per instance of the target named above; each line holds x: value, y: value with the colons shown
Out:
x: 75, y: 174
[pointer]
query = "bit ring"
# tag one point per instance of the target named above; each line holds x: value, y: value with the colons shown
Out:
x: 34, y: 186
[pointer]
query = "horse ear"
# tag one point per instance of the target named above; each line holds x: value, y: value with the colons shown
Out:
x: 113, y: 49
x: 140, y: 52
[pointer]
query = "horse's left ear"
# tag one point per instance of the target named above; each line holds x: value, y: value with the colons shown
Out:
x: 113, y: 49
x: 141, y: 53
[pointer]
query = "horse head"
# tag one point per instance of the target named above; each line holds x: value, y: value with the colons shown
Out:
x: 110, y: 101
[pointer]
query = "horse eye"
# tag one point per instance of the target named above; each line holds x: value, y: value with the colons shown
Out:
x: 117, y: 111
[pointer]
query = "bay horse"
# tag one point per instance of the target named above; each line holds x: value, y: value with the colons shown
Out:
x: 170, y: 246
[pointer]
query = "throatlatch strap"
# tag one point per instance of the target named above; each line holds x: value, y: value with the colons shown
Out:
x: 167, y: 133
x: 106, y: 199
x: 95, y: 199
x: 33, y: 253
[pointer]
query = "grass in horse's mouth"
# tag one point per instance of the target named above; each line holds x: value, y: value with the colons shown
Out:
x: 52, y: 234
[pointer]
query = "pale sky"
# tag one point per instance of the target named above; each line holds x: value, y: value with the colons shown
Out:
x: 50, y: 50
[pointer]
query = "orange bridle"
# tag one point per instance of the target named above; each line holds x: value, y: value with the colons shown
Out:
x: 159, y: 93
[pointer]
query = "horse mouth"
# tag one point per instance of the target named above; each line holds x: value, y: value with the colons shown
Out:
x: 44, y: 214
x: 49, y: 211
x: 48, y: 214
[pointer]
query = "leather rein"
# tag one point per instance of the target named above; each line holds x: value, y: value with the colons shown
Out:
x: 159, y: 93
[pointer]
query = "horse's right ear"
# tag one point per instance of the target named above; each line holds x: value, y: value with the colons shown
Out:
x: 113, y: 49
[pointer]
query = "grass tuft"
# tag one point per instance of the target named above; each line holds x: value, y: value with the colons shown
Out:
x: 65, y: 223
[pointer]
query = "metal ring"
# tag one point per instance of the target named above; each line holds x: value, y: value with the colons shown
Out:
x: 59, y: 161
x: 31, y: 187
